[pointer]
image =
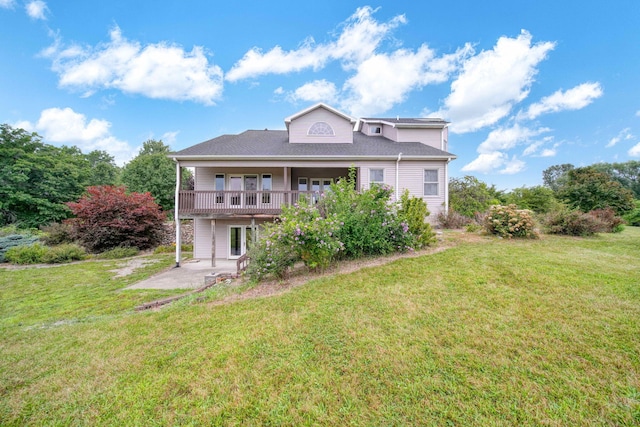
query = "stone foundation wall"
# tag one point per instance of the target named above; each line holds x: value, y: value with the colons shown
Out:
x: 186, y: 232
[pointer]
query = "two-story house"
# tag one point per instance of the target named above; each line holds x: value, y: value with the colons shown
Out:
x: 243, y: 180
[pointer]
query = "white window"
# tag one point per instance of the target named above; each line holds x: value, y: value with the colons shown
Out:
x: 376, y: 176
x: 321, y: 129
x: 431, y: 182
x: 375, y: 129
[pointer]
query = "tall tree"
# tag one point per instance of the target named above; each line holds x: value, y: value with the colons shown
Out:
x: 555, y: 176
x: 588, y: 189
x: 36, y: 179
x: 469, y: 195
x: 154, y: 172
x: 626, y: 173
x: 539, y: 199
x: 103, y: 169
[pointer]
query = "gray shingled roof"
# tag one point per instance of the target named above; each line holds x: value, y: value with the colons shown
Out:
x: 404, y: 120
x: 275, y: 144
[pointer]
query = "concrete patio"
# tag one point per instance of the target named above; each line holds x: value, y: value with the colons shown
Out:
x: 190, y: 275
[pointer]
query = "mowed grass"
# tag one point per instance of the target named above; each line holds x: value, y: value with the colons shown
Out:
x: 489, y: 332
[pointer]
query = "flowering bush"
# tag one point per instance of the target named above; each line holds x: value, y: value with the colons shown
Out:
x: 343, y: 222
x: 300, y: 234
x: 369, y: 223
x: 508, y: 221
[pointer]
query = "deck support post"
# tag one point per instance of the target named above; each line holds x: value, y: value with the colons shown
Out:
x: 176, y: 213
x: 213, y: 243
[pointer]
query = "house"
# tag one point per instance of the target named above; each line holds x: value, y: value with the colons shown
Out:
x: 243, y: 180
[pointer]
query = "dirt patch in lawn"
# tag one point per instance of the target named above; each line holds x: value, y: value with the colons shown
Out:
x: 131, y: 265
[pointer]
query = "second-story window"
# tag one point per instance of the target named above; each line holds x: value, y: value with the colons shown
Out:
x: 321, y: 129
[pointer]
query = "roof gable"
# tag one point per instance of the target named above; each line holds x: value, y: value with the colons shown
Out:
x: 306, y: 111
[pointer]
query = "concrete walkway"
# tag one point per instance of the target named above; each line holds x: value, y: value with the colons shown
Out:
x: 190, y: 275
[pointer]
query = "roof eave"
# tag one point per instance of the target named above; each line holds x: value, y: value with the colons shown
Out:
x: 312, y: 157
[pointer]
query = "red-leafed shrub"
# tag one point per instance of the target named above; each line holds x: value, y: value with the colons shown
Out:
x: 107, y: 217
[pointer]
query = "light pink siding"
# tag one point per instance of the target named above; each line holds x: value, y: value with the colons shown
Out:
x: 430, y: 137
x: 299, y: 127
x: 205, y: 176
x: 202, y: 236
x: 412, y: 178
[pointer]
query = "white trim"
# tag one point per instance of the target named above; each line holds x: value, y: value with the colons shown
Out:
x: 244, y: 228
x: 437, y: 182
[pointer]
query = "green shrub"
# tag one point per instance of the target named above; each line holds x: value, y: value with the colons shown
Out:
x: 14, y: 240
x: 633, y: 217
x: 64, y: 253
x: 453, y: 220
x: 167, y: 249
x: 508, y: 222
x: 57, y: 233
x: 369, y: 223
x: 473, y: 227
x: 610, y: 221
x: 413, y: 211
x: 119, y: 252
x: 571, y: 223
x: 27, y: 254
x: 271, y: 255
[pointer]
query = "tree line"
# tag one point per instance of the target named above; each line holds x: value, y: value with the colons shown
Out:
x: 37, y: 180
x: 602, y: 186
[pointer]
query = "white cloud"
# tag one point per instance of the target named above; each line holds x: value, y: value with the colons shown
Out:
x: 492, y: 82
x: 532, y: 148
x: 507, y: 138
x: 7, y: 4
x: 384, y: 80
x: 36, y: 9
x: 486, y: 162
x: 638, y: 113
x: 635, y: 150
x: 159, y: 71
x: 279, y: 91
x: 360, y: 37
x: 549, y: 152
x: 623, y: 135
x: 491, y: 162
x: 572, y: 99
x: 513, y: 166
x: 316, y: 91
x: 65, y: 126
x: 169, y: 138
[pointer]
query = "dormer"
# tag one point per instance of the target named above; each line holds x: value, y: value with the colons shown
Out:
x: 320, y: 123
x: 428, y: 131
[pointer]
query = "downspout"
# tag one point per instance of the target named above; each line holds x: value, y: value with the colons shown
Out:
x: 176, y: 216
x: 398, y: 176
x: 446, y: 186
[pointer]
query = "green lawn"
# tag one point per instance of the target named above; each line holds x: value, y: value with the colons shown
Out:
x: 489, y: 332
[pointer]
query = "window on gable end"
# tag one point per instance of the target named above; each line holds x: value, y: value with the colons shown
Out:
x: 320, y: 129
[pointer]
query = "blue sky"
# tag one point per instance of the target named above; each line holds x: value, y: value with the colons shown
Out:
x: 526, y: 84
